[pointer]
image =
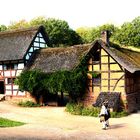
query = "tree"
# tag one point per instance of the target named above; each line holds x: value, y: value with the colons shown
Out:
x: 38, y: 21
x: 59, y: 32
x: 129, y: 33
x: 18, y: 25
x: 90, y: 34
x: 85, y: 33
x: 3, y: 28
x: 31, y: 81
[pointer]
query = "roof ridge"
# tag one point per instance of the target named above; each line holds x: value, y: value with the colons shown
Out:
x: 20, y: 30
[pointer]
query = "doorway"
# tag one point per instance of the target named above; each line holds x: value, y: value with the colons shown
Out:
x: 1, y: 87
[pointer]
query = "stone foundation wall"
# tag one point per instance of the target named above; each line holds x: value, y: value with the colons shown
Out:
x: 17, y: 99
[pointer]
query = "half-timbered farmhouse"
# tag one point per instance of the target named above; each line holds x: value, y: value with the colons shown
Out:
x: 16, y: 49
x: 111, y: 69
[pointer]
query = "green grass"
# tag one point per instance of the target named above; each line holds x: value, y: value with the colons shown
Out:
x: 9, y: 123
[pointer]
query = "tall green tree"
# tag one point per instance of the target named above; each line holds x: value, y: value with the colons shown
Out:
x: 59, y: 32
x: 90, y: 34
x: 85, y: 33
x: 129, y: 33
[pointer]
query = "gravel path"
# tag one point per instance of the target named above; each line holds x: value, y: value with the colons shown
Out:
x: 53, y: 123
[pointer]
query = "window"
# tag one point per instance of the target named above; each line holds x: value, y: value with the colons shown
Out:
x: 10, y: 66
x: 7, y: 66
x: 97, y: 56
x: 0, y: 67
x: 11, y: 80
x: 15, y: 66
x: 27, y: 57
x: 42, y: 40
x: 96, y: 78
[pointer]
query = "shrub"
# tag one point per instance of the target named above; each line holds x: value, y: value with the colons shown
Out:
x: 28, y: 104
x: 90, y: 111
x: 119, y: 114
x: 79, y: 109
x: 74, y: 108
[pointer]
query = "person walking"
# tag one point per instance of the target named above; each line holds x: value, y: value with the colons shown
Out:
x: 108, y: 114
x: 104, y: 116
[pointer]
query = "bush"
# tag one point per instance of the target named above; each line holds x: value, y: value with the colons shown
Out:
x: 28, y: 104
x: 90, y: 111
x: 79, y: 109
x: 119, y: 114
x: 74, y: 108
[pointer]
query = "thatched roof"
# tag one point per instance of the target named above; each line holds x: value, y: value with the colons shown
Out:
x: 54, y: 59
x: 113, y: 99
x: 128, y: 59
x: 15, y: 43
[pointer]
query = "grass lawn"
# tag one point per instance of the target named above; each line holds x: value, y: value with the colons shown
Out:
x: 9, y: 123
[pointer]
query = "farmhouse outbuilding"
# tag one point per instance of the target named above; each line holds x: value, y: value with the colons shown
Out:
x: 111, y: 69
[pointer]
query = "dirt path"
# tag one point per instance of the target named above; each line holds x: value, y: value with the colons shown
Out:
x: 53, y: 123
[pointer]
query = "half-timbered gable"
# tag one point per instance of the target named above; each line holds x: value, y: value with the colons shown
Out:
x: 113, y: 69
x: 16, y: 49
x: 105, y: 73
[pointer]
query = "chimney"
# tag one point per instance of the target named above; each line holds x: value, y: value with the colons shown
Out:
x: 105, y: 36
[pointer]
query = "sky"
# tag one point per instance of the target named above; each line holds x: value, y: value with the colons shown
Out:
x: 78, y: 13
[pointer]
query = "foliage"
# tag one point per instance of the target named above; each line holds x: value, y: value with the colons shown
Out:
x: 86, y: 34
x: 90, y: 111
x: 28, y: 104
x: 9, y: 123
x: 129, y: 33
x: 94, y: 74
x: 31, y: 81
x: 18, y: 25
x: 119, y: 114
x: 38, y: 21
x: 79, y: 109
x: 38, y: 83
x: 3, y: 28
x: 90, y: 34
x: 59, y: 32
